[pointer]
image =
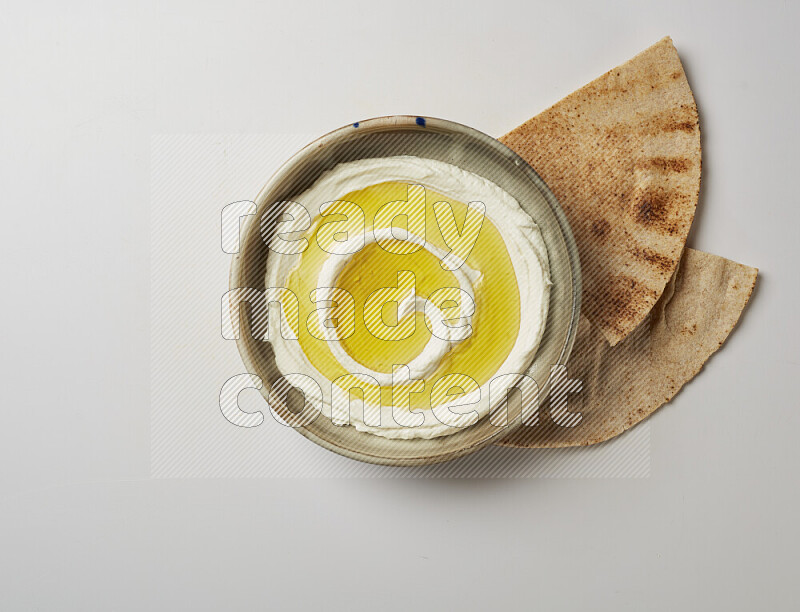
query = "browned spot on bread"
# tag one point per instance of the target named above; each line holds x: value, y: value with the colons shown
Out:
x: 662, y: 262
x: 651, y: 208
x: 680, y: 126
x: 678, y: 120
x: 600, y: 228
x: 667, y: 164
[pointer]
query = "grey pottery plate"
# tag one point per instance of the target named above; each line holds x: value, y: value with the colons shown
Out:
x: 455, y: 144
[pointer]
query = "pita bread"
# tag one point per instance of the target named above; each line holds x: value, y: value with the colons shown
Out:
x: 624, y: 384
x: 622, y: 155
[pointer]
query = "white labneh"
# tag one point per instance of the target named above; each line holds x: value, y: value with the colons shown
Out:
x: 526, y: 249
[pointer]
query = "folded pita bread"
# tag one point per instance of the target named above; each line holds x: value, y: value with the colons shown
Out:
x: 625, y: 383
x: 622, y: 155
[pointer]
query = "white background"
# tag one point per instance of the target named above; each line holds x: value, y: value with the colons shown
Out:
x: 85, y: 84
